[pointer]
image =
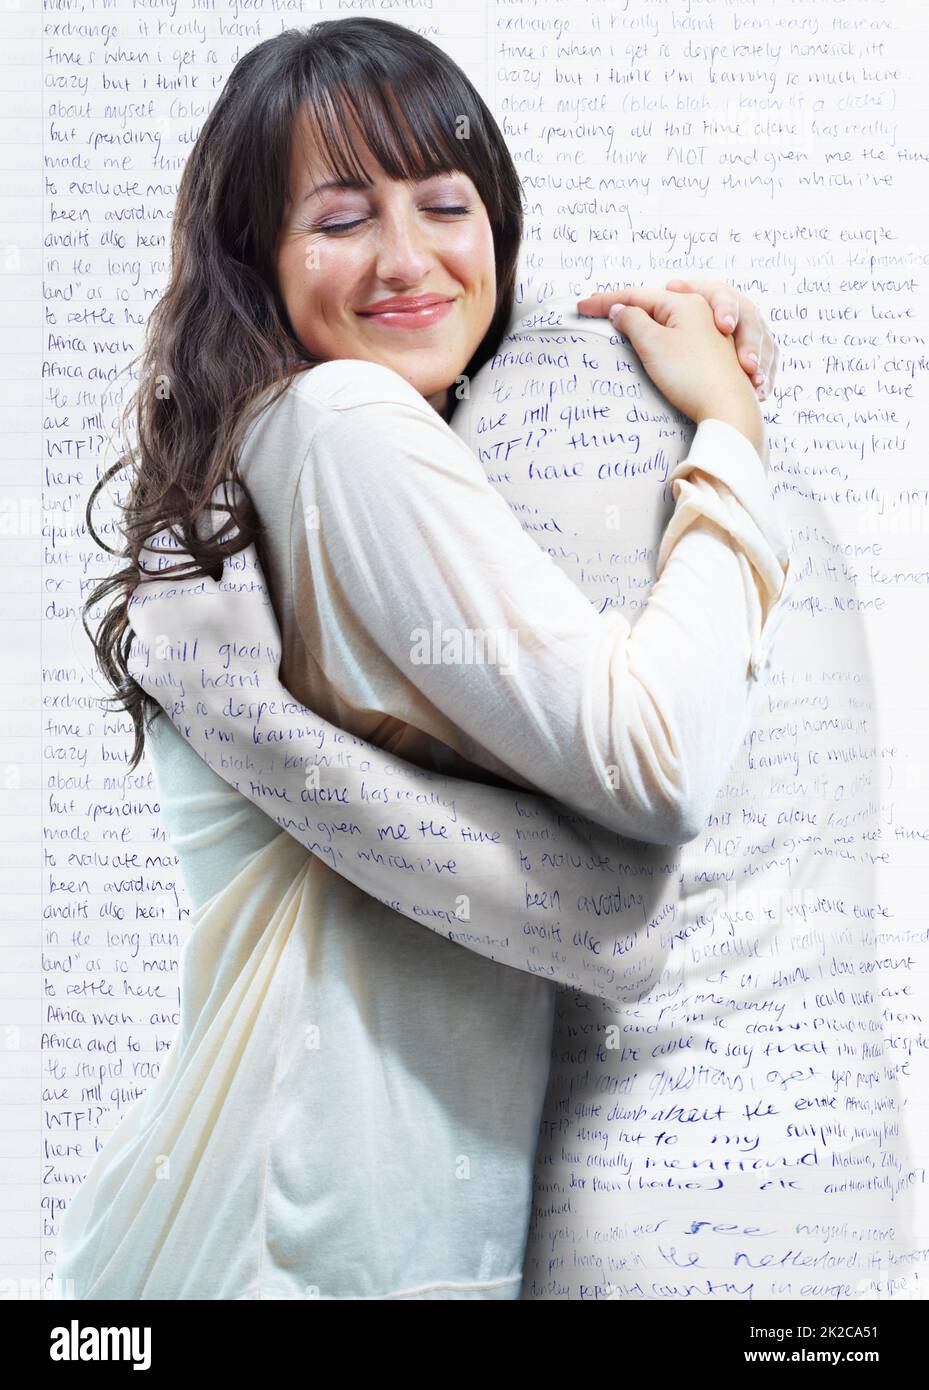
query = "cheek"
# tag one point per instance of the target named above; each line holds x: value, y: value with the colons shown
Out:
x: 329, y: 274
x: 291, y: 275
x: 475, y: 258
x: 305, y: 282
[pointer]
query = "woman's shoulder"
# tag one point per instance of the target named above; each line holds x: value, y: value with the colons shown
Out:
x: 285, y: 422
x: 343, y: 390
x: 348, y: 409
x: 348, y: 382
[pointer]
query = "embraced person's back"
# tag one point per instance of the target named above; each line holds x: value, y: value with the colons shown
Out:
x: 747, y: 1111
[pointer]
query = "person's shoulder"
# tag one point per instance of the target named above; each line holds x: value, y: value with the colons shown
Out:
x: 350, y: 383
x: 371, y: 426
x: 370, y: 415
x: 328, y: 391
x: 337, y: 402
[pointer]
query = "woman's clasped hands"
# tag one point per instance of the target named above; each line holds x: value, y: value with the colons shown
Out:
x: 733, y: 313
x: 704, y: 345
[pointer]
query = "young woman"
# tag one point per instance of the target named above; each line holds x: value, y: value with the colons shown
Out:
x: 351, y: 1106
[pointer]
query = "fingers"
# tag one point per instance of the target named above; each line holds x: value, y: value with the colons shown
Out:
x: 755, y: 348
x: 660, y: 303
x: 725, y: 301
x: 753, y: 344
x: 768, y: 386
x: 769, y: 358
x: 735, y: 313
x: 759, y: 355
x: 597, y: 306
x: 636, y: 324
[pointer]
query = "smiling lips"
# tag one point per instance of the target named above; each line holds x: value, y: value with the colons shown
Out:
x: 417, y: 311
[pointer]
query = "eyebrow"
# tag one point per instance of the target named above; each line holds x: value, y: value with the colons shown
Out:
x: 366, y: 183
x: 337, y: 183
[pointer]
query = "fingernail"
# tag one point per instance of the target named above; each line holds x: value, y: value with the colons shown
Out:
x: 729, y: 321
x: 759, y: 377
x: 614, y: 310
x: 752, y: 359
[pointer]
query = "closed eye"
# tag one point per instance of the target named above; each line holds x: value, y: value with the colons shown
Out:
x: 347, y: 226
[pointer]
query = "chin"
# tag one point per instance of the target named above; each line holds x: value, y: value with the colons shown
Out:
x: 428, y: 368
x: 431, y: 384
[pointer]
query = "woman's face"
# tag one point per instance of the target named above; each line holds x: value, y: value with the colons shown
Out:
x: 344, y: 251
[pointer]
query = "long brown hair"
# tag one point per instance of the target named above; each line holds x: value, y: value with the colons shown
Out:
x: 220, y: 337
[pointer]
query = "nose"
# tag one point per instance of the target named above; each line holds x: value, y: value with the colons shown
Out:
x: 402, y: 248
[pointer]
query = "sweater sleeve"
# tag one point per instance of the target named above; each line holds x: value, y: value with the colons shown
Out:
x: 634, y: 726
x: 511, y: 876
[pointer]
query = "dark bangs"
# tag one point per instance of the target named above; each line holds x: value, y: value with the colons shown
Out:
x: 439, y: 125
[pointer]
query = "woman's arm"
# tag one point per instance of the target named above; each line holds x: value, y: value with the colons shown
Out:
x: 268, y: 785
x: 420, y: 568
x: 507, y: 874
x: 531, y: 885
